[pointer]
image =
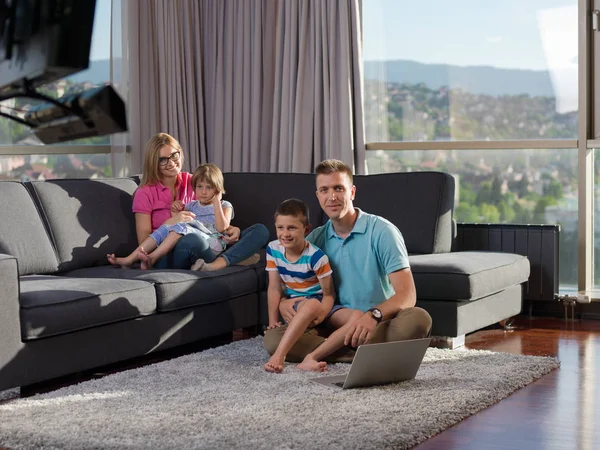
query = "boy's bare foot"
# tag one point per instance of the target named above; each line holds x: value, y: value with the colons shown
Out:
x: 312, y: 365
x: 115, y: 260
x: 146, y: 261
x: 275, y: 364
x: 250, y: 260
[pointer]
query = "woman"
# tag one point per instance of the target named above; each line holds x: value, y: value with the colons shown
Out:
x: 162, y: 183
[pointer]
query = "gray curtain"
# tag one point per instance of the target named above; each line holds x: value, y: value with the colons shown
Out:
x: 251, y: 85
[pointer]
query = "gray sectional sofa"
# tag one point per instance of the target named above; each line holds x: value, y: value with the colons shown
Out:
x: 63, y: 309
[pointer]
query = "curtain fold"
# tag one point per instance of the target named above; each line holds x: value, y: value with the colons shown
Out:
x: 260, y: 85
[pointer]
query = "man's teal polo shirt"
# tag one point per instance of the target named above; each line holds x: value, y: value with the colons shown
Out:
x: 361, y: 262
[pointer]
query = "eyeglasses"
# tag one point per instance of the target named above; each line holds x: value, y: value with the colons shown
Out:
x: 165, y: 159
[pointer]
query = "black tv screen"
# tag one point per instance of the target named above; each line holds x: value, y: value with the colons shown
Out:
x: 42, y: 41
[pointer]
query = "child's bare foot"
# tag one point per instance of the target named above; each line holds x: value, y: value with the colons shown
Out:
x: 275, y: 364
x: 312, y: 365
x: 115, y: 260
x: 146, y: 261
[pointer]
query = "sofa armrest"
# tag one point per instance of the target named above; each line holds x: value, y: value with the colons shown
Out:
x: 10, y: 321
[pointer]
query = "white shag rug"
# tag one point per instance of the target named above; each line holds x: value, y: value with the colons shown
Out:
x: 223, y: 399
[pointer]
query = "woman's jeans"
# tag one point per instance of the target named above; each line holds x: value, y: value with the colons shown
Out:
x: 192, y: 247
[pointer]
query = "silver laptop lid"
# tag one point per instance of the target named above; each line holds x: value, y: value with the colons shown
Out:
x: 384, y: 363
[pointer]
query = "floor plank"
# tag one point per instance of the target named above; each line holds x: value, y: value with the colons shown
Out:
x: 559, y: 411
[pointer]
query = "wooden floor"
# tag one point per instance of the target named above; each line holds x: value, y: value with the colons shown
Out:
x: 559, y: 411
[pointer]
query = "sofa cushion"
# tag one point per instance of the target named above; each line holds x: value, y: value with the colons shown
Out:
x: 418, y: 203
x: 460, y: 276
x: 53, y: 305
x: 176, y: 289
x: 255, y: 196
x: 88, y: 219
x: 22, y: 233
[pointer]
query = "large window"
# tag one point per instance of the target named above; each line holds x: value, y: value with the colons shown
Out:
x: 483, y: 75
x: 470, y: 70
x: 17, y: 161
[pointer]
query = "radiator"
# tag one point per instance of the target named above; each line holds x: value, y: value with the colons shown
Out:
x: 538, y: 242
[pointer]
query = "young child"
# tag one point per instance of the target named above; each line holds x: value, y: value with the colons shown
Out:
x: 213, y: 216
x: 299, y: 270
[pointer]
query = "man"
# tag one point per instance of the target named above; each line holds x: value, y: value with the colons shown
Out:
x: 371, y: 272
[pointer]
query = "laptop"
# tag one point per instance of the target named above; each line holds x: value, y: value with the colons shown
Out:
x: 377, y: 364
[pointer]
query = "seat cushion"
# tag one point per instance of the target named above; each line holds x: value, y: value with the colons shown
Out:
x: 176, y: 289
x: 53, y: 305
x: 460, y: 276
x: 22, y: 232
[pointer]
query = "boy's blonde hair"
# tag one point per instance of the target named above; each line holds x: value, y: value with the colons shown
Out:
x: 333, y: 165
x: 211, y: 174
x: 151, y: 170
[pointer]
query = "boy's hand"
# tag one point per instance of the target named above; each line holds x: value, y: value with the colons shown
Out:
x: 286, y: 309
x: 320, y: 318
x: 271, y: 327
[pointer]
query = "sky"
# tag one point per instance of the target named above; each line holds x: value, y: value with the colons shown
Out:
x: 101, y: 32
x: 501, y: 33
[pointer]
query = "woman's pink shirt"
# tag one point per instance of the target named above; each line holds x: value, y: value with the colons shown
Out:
x: 156, y: 200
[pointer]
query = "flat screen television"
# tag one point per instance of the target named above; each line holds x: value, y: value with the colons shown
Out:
x: 42, y: 41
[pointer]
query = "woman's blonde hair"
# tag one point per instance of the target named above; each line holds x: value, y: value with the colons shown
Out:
x: 151, y: 170
x: 211, y: 174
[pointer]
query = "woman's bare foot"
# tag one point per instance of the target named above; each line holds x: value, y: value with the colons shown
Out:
x: 275, y: 364
x: 312, y: 365
x: 115, y: 260
x: 146, y: 261
x: 198, y: 265
x: 250, y: 260
x: 217, y: 264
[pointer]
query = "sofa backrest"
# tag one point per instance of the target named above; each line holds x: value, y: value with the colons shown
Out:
x: 255, y: 196
x: 419, y: 203
x: 22, y: 233
x: 87, y: 219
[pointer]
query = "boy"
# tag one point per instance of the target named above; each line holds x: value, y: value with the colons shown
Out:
x: 300, y: 271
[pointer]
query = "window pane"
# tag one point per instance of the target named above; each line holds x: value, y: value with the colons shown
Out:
x: 470, y: 70
x: 500, y: 186
x: 50, y: 167
x: 98, y: 73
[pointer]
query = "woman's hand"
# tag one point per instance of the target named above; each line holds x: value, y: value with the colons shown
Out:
x: 232, y: 234
x: 176, y: 207
x: 181, y: 216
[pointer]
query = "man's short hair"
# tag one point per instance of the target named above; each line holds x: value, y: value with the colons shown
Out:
x: 333, y: 165
x: 295, y: 208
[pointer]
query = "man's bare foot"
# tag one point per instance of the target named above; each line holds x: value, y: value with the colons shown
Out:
x: 146, y: 261
x: 275, y: 364
x: 115, y: 260
x: 250, y: 260
x: 312, y: 365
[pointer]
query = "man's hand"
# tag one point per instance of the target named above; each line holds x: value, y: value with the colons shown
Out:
x: 360, y: 332
x: 286, y: 309
x: 232, y: 234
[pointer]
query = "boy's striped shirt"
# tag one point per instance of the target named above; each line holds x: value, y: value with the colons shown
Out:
x: 299, y: 278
